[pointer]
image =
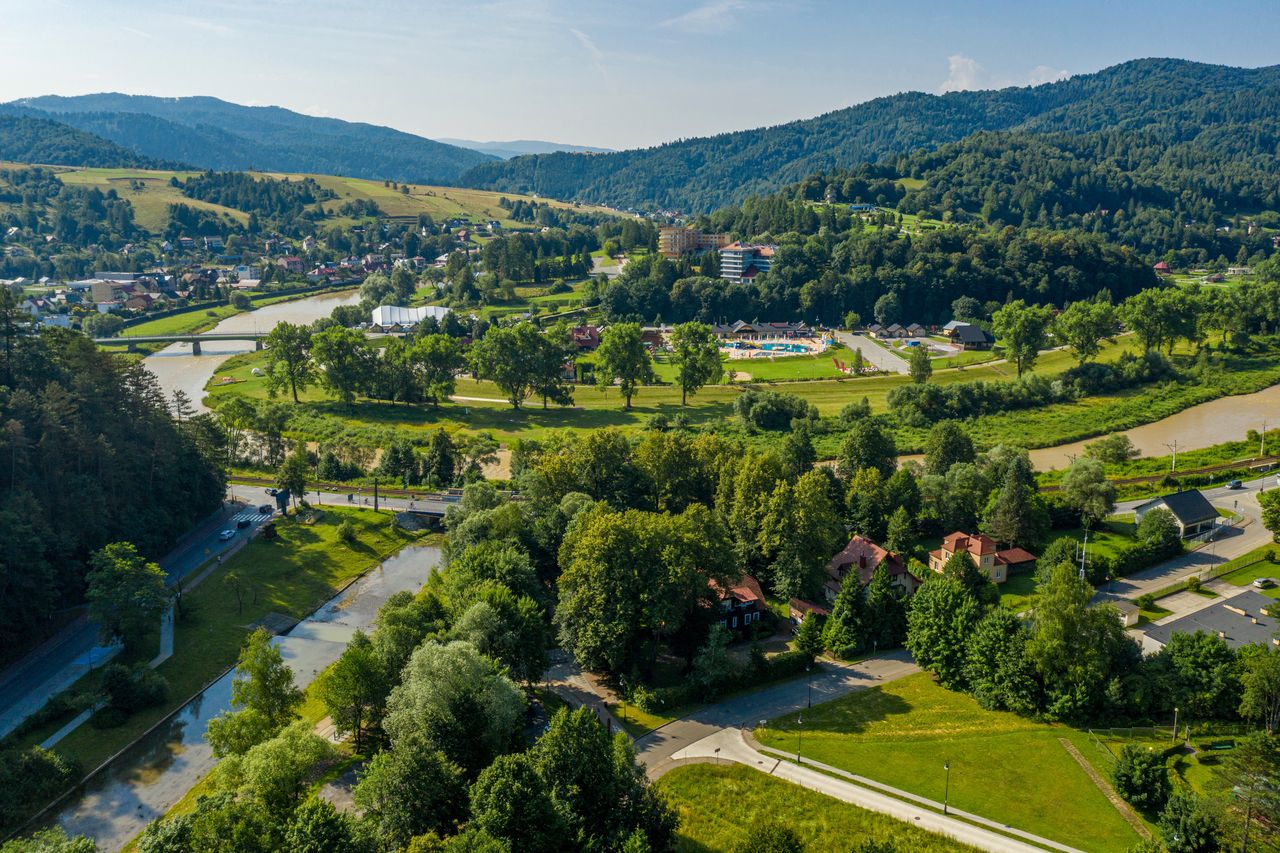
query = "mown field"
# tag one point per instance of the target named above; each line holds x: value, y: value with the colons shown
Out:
x: 151, y: 196
x: 1004, y: 767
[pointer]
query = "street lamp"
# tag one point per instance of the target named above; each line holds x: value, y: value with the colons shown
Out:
x: 1175, y: 724
x: 799, y: 738
x: 946, y: 791
x: 809, y: 678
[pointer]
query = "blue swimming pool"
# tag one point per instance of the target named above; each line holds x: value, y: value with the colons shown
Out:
x: 801, y: 348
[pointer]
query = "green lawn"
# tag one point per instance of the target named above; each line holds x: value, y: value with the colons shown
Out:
x: 1016, y: 592
x: 1258, y: 563
x: 719, y: 805
x: 292, y: 575
x: 1003, y: 767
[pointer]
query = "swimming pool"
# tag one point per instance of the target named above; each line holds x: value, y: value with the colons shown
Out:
x: 801, y: 348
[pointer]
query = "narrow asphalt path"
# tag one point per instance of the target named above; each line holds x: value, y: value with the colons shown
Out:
x: 874, y: 353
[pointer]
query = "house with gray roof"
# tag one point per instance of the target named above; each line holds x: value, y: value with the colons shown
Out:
x: 1190, y: 509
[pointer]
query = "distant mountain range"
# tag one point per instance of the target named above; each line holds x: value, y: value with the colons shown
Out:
x: 32, y: 139
x: 215, y: 134
x: 519, y: 147
x: 1174, y: 100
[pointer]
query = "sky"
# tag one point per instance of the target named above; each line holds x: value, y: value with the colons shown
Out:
x: 596, y: 72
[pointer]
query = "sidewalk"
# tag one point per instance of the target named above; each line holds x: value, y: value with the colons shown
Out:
x: 732, y: 745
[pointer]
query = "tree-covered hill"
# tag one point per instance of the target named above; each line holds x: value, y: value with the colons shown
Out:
x: 216, y: 134
x: 32, y: 139
x: 1179, y: 100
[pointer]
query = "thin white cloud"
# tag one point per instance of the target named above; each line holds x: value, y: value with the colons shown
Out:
x: 1045, y: 74
x: 714, y: 17
x: 587, y: 44
x: 965, y: 73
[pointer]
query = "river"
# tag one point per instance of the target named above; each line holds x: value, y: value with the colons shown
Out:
x: 145, y: 780
x: 177, y: 369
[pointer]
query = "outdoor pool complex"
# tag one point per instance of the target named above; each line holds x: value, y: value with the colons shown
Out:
x: 785, y: 348
x: 751, y: 349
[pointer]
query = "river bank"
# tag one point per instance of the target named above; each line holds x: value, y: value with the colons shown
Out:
x: 150, y: 776
x: 178, y: 370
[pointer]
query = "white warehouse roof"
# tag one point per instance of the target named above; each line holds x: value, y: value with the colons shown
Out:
x: 394, y: 315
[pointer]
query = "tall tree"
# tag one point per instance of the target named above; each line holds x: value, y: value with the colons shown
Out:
x: 696, y: 355
x: 354, y: 690
x: 556, y: 353
x: 344, y: 359
x: 1083, y: 326
x: 126, y: 593
x: 1087, y: 490
x: 1023, y: 329
x: 289, y: 362
x: 920, y: 364
x: 940, y: 621
x: 869, y: 444
x: 509, y: 357
x: 1015, y: 514
x: 622, y: 358
x: 434, y: 361
x: 946, y: 445
x: 412, y: 789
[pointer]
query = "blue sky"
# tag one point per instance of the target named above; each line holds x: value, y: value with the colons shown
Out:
x: 596, y: 73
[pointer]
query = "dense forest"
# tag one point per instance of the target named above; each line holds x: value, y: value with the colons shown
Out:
x: 91, y: 455
x: 281, y: 199
x: 1180, y: 100
x: 822, y: 273
x: 31, y: 139
x: 215, y: 134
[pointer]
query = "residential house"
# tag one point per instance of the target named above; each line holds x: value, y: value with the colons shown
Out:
x: 1161, y: 268
x: 186, y: 244
x: 894, y: 331
x: 290, y: 263
x: 585, y: 338
x: 142, y: 301
x: 741, y: 264
x: 1190, y: 509
x: 741, y: 605
x: 308, y: 244
x: 875, y: 329
x: 968, y: 336
x: 863, y: 557
x: 799, y: 610
x: 862, y: 208
x: 992, y: 562
x: 213, y: 244
x: 915, y: 330
x: 1247, y: 619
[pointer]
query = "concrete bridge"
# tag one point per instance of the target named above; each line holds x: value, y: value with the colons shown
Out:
x: 132, y: 341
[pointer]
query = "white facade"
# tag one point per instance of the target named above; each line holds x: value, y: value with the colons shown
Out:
x: 393, y: 315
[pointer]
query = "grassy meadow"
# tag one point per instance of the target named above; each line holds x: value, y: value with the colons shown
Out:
x: 1004, y: 767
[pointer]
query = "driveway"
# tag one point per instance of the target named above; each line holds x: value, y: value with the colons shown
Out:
x: 829, y: 681
x: 874, y: 353
x: 1241, y: 538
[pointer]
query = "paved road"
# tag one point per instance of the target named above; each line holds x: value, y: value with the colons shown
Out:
x: 830, y: 681
x: 1240, y: 539
x: 255, y: 495
x: 874, y: 353
x: 26, y: 685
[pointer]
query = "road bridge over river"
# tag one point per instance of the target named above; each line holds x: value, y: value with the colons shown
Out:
x: 132, y: 341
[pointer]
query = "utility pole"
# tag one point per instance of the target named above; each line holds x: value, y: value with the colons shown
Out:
x: 1173, y: 466
x: 375, y: 494
x: 1084, y: 550
x: 1262, y: 440
x: 946, y: 791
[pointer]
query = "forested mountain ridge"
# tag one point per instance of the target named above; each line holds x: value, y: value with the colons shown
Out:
x: 1182, y: 100
x: 33, y: 139
x: 216, y: 134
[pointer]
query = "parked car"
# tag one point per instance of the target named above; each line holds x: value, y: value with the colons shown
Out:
x: 1235, y: 484
x: 1264, y: 583
x: 266, y: 509
x: 227, y: 534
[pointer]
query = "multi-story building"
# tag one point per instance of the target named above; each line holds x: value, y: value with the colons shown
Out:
x: 675, y: 241
x: 739, y: 263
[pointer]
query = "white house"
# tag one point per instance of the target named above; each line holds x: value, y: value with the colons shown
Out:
x: 393, y: 316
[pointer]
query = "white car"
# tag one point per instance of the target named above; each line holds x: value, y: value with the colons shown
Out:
x: 227, y: 535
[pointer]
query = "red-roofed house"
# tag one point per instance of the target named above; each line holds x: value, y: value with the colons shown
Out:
x: 741, y: 605
x: 981, y: 548
x: 585, y: 337
x: 1162, y: 268
x: 862, y: 556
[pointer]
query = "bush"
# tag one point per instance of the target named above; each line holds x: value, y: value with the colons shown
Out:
x: 109, y: 718
x: 1140, y: 776
x: 130, y: 689
x: 241, y: 302
x: 29, y: 778
x: 1146, y: 601
x: 347, y: 532
x: 772, y: 410
x: 1193, y: 583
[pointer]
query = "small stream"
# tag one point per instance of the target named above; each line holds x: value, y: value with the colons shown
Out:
x: 144, y: 781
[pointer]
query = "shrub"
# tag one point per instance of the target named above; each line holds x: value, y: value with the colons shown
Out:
x: 29, y: 778
x: 347, y: 532
x: 772, y: 410
x: 1146, y: 601
x: 1193, y: 583
x: 130, y: 689
x: 1140, y: 776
